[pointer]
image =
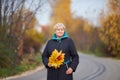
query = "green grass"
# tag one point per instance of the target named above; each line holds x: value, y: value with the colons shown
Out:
x: 99, y: 54
x: 25, y: 66
x: 96, y: 53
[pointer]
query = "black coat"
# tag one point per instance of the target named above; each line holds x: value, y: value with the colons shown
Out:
x: 67, y: 47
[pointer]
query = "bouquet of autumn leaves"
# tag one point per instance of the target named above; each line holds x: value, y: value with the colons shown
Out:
x: 56, y: 59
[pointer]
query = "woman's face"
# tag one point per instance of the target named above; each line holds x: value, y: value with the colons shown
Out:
x: 59, y: 31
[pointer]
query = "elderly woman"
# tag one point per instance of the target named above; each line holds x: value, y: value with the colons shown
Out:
x: 61, y: 41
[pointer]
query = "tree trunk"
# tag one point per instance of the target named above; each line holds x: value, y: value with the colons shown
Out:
x: 20, y: 46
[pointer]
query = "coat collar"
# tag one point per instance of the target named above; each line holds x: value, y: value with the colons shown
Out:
x: 54, y: 37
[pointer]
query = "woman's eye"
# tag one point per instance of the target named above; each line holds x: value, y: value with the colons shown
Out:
x: 59, y: 29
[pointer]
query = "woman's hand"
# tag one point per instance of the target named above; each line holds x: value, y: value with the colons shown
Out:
x: 69, y: 70
x: 49, y: 65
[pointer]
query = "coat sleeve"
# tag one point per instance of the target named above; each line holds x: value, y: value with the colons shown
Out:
x: 74, y: 55
x: 45, y: 56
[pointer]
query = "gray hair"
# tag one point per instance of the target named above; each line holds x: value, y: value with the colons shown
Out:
x: 59, y: 25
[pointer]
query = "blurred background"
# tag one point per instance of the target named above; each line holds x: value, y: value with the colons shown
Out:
x: 26, y: 25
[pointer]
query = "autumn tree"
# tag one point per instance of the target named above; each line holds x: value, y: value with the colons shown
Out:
x: 110, y: 28
x: 62, y: 13
x: 15, y: 19
x: 33, y: 41
x: 24, y: 23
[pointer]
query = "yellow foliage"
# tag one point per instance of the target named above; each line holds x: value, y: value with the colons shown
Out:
x: 37, y: 37
x: 87, y: 28
x: 110, y: 30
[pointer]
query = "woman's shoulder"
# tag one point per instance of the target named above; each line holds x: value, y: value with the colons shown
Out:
x: 70, y: 39
x: 50, y: 41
